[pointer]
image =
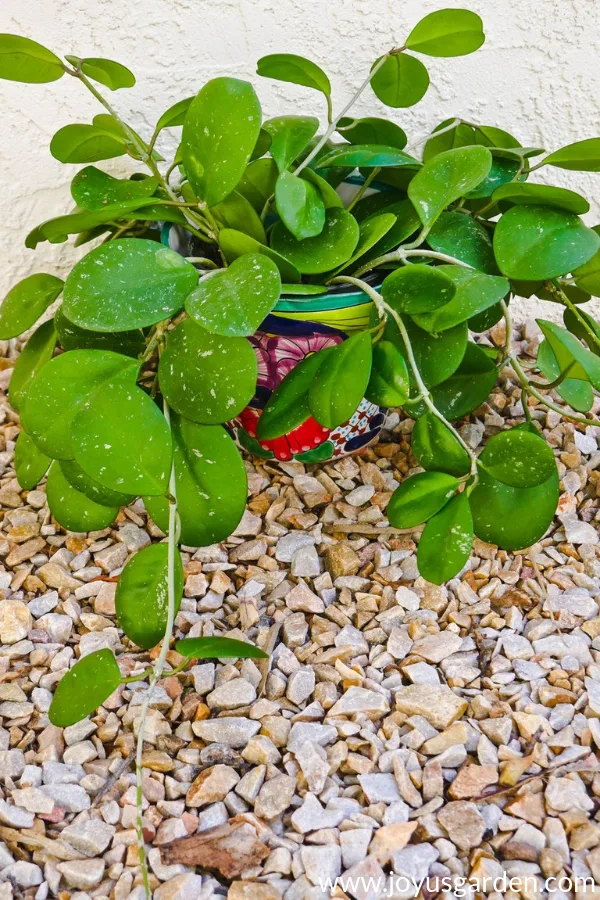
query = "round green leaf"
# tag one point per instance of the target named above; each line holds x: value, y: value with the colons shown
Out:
x: 235, y: 244
x: 22, y: 59
x: 570, y: 355
x: 463, y: 238
x: 258, y: 182
x: 72, y: 337
x: 447, y: 32
x: 235, y: 211
x: 503, y: 170
x: 295, y: 69
x: 587, y: 276
x: 522, y: 194
x: 446, y: 542
x: 84, y: 688
x: 389, y: 382
x: 91, y: 489
x: 474, y: 292
x: 288, y: 405
x: 538, y: 242
x: 518, y: 458
x: 341, y: 380
x: 332, y: 247
x: 121, y: 439
x: 127, y: 284
x: 372, y: 130
x: 141, y: 596
x: 211, y: 484
x: 576, y: 324
x: 419, y: 498
x: 234, y: 301
x: 220, y: 131
x: 299, y: 205
x: 174, y: 115
x: 25, y: 303
x: 30, y: 463
x: 36, y: 353
x: 468, y: 387
x: 407, y: 222
x: 326, y: 191
x: 302, y: 290
x: 85, y: 144
x: 289, y: 137
x: 93, y: 189
x: 445, y: 178
x: 367, y: 156
x: 418, y: 289
x: 582, y: 156
x: 436, y: 447
x: 401, y: 81
x: 577, y: 393
x: 437, y: 356
x: 72, y: 509
x: 205, y: 377
x: 218, y: 648
x: 371, y: 232
x: 463, y: 135
x: 111, y: 74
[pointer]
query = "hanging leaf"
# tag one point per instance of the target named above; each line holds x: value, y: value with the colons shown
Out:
x: 300, y: 206
x: 263, y: 142
x: 446, y: 542
x: 72, y: 337
x: 93, y: 189
x: 258, y: 182
x: 372, y: 130
x: 218, y: 648
x: 447, y: 177
x: 570, y: 355
x: 174, y: 115
x: 198, y: 379
x: 234, y: 301
x: 72, y: 509
x: 30, y: 463
x: 436, y: 447
x: 332, y: 247
x: 91, y: 489
x: 84, y: 688
x: 142, y: 590
x: 211, y: 484
x: 468, y: 387
x: 538, y: 242
x: 419, y: 498
x: 57, y: 230
x: 127, y: 284
x: 518, y: 458
x: 111, y: 74
x: 235, y: 244
x: 25, y: 303
x: 371, y: 231
x: 22, y: 59
x: 85, y: 144
x: 340, y: 382
x: 474, y: 293
x: 220, y: 130
x: 407, y: 222
x: 463, y: 238
x: 437, y: 356
x: 582, y: 156
x: 577, y: 393
x: 401, y: 81
x: 121, y: 439
x: 418, y: 289
x: 36, y: 353
x: 327, y: 193
x: 521, y: 194
x: 295, y: 69
x: 235, y: 211
x: 389, y: 382
x: 576, y: 323
x: 447, y: 32
x: 367, y: 156
x: 288, y: 405
x: 289, y: 137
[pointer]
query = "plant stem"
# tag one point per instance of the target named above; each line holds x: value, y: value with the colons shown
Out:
x: 157, y: 669
x: 433, y: 134
x: 401, y: 255
x: 566, y: 301
x: 364, y: 187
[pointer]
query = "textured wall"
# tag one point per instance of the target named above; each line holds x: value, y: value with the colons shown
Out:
x: 537, y: 75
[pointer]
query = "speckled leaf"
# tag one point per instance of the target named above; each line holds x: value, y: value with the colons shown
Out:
x: 341, y: 380
x: 258, y: 182
x: 474, y: 292
x: 445, y: 178
x: 436, y: 448
x: 389, y: 383
x: 367, y: 156
x: 522, y: 194
x: 84, y: 688
x: 72, y: 337
x: 30, y: 463
x: 518, y: 458
x: 235, y: 244
x: 372, y: 130
x: 142, y: 594
x: 235, y: 211
x: 93, y: 189
x: 288, y: 406
x: 401, y: 81
x: 72, y: 509
x: 577, y: 393
x: 22, y: 59
x: 32, y: 359
x: 461, y: 236
x: 332, y: 247
x: 419, y: 498
x: 95, y: 491
x: 25, y: 303
x: 372, y: 230
x: 468, y: 387
x: 86, y: 144
x: 289, y: 137
x: 446, y: 541
x: 58, y: 229
x: 437, y: 356
x: 570, y: 354
x: 218, y: 648
x: 418, y: 288
x: 174, y: 115
x: 299, y: 205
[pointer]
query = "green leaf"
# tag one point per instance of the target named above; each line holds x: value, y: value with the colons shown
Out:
x: 295, y: 69
x: 30, y: 463
x: 389, y: 382
x: 437, y: 356
x: 288, y: 405
x: 263, y: 142
x: 326, y: 251
x: 72, y: 509
x: 91, y: 489
x: 518, y: 458
x: 570, y: 355
x: 587, y: 276
x: 419, y: 498
x: 521, y: 194
x: 121, y: 439
x: 85, y: 144
x: 72, y: 337
x: 127, y: 284
x: 582, y: 156
x: 141, y: 596
x: 341, y: 380
x: 577, y: 393
x: 289, y: 137
x: 503, y: 170
x: 436, y: 447
x: 235, y: 244
x: 407, y: 222
x: 463, y: 135
x: 219, y: 133
x: 468, y: 387
x: 463, y: 238
x: 112, y: 75
x: 32, y: 359
x: 371, y: 231
x: 445, y: 178
x: 57, y: 230
x: 174, y: 115
x: 418, y: 289
x: 474, y: 293
x: 93, y: 189
x: 25, y: 303
x: 447, y: 32
x: 328, y: 194
x: 62, y: 388
x: 401, y: 81
x: 198, y: 377
x: 84, y: 688
x: 258, y: 182
x: 538, y: 242
x: 576, y: 326
x: 235, y: 211
x: 234, y: 301
x: 22, y: 59
x: 211, y: 484
x: 446, y: 542
x: 372, y: 131
x: 302, y: 290
x: 367, y: 156
x: 218, y: 648
x: 299, y: 206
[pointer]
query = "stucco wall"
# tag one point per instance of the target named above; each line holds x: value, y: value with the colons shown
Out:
x: 537, y: 75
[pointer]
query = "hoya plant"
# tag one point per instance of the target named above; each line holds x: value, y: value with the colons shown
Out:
x: 129, y: 389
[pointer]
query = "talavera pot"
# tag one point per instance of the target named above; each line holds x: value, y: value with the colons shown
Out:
x: 298, y: 327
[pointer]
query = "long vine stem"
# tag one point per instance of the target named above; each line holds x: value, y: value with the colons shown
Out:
x: 402, y: 254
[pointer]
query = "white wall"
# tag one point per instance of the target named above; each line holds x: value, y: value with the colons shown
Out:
x: 538, y: 75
